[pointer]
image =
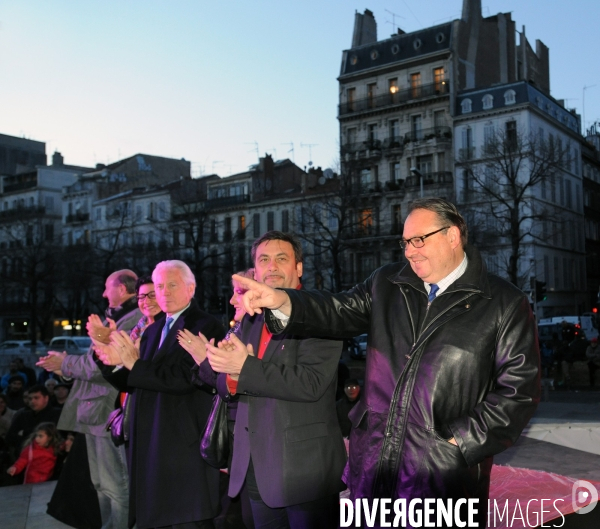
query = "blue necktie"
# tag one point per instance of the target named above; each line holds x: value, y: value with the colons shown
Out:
x: 434, y: 288
x: 165, y: 330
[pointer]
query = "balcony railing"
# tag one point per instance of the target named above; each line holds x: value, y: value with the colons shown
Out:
x: 77, y: 217
x: 19, y: 186
x: 22, y: 212
x: 224, y: 202
x: 398, y: 98
x: 442, y: 177
x: 439, y: 133
x: 373, y: 146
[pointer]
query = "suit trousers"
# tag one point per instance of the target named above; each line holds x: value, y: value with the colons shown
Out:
x: 322, y: 513
x: 108, y: 470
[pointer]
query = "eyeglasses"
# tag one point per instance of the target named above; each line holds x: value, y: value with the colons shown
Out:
x: 149, y: 295
x: 419, y: 242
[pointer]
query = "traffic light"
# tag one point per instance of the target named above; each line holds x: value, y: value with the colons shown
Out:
x: 540, y: 291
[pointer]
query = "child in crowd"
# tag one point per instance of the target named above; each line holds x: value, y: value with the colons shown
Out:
x: 38, y: 457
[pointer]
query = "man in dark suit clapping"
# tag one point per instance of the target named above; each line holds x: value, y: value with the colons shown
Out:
x: 170, y: 484
x: 288, y: 447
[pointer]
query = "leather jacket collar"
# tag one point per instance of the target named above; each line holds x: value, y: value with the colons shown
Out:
x: 474, y: 279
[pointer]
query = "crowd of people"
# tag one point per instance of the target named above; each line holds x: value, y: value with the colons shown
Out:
x: 452, y: 376
x: 31, y: 449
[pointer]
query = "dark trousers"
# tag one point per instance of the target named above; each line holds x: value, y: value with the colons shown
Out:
x: 318, y: 514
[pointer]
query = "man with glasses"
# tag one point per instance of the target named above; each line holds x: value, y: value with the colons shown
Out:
x: 452, y: 373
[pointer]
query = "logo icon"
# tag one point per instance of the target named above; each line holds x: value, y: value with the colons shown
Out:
x: 579, y: 496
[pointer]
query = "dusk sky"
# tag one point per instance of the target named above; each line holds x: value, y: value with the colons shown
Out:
x: 218, y: 83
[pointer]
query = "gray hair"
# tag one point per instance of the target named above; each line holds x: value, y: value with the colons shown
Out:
x: 180, y: 266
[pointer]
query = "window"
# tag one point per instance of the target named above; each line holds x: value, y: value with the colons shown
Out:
x: 556, y: 273
x: 441, y: 160
x: 371, y: 90
x: 350, y: 99
x: 543, y: 185
x: 98, y: 213
x: 49, y: 232
x: 351, y: 135
x: 466, y: 185
x: 365, y: 221
x: 439, y: 118
x: 415, y: 85
x: 241, y: 227
x: 270, y: 221
x: 425, y: 164
x: 213, y: 230
x: 488, y: 176
x: 227, y: 234
x: 394, y: 131
x: 396, y: 219
x: 372, y: 132
x: 256, y: 225
x: 438, y: 80
x: 511, y: 135
x: 395, y: 172
x: 333, y: 220
x: 561, y: 190
x: 48, y: 202
x: 365, y: 178
x: 416, y: 127
x: 568, y: 195
x: 467, y: 143
x: 175, y: 238
x: 466, y: 105
x: 162, y: 210
x: 285, y: 221
x: 393, y: 89
x: 509, y: 97
x: 488, y: 136
x: 138, y: 213
x: 488, y: 101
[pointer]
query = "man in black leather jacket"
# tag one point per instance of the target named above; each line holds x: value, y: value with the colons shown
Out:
x: 452, y: 376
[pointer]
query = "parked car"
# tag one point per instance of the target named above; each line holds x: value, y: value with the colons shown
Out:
x: 359, y: 350
x: 73, y: 345
x: 20, y: 347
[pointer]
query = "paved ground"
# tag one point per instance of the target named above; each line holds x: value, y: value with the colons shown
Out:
x: 24, y: 506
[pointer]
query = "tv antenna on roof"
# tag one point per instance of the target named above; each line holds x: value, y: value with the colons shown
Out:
x: 393, y: 22
x: 255, y: 143
x: 291, y: 150
x: 310, y: 146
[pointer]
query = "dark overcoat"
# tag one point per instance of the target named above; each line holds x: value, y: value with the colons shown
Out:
x: 170, y: 483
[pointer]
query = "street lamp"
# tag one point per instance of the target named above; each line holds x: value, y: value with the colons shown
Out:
x: 418, y: 173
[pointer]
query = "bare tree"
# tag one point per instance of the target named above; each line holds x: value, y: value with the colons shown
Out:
x: 334, y: 220
x: 29, y: 266
x: 504, y: 191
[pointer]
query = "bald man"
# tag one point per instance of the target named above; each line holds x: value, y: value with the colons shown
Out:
x: 91, y: 400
